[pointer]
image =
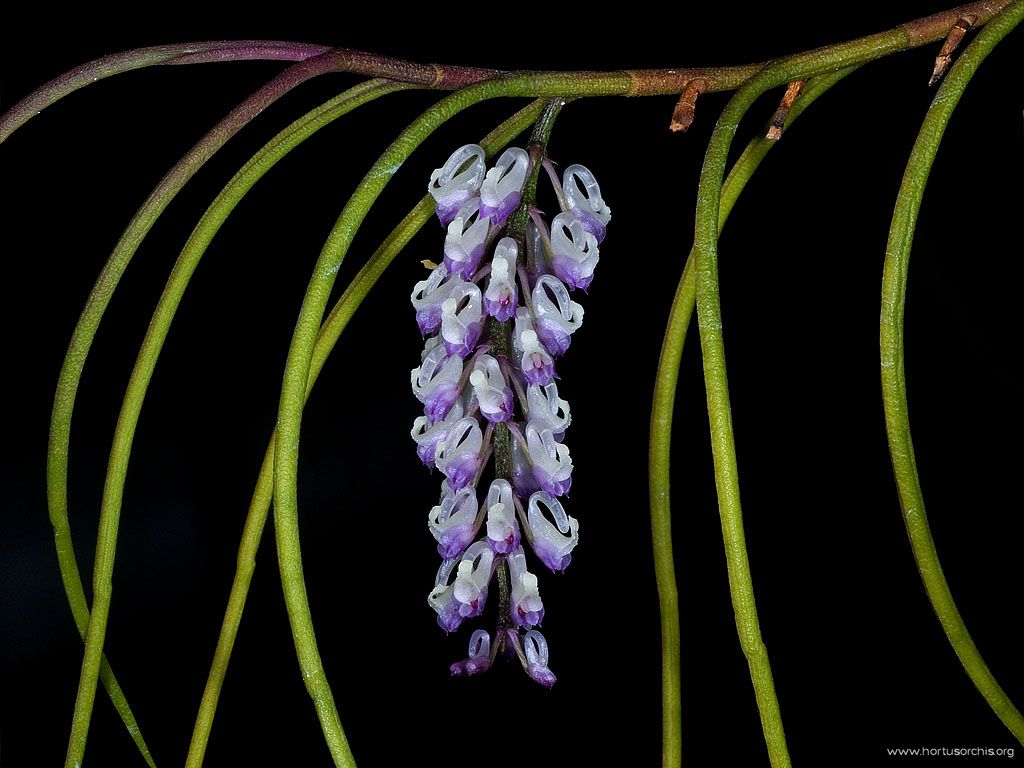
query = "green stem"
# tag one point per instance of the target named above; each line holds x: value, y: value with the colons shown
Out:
x: 110, y: 508
x: 259, y: 506
x: 661, y: 431
x: 88, y: 325
x: 709, y: 315
x: 188, y: 53
x: 894, y: 385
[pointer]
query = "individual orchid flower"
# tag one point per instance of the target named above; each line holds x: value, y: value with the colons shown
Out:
x: 547, y: 410
x: 464, y: 597
x: 436, y: 383
x: 461, y: 315
x: 427, y: 297
x: 537, y: 365
x: 479, y: 656
x: 466, y: 239
x: 460, y: 454
x: 492, y: 393
x: 457, y: 181
x: 428, y: 435
x: 442, y: 597
x: 556, y: 316
x: 454, y: 522
x: 552, y: 464
x: 525, y: 607
x: 502, y: 188
x: 502, y: 528
x: 583, y: 198
x: 471, y: 579
x: 553, y: 542
x: 574, y: 251
x: 501, y: 294
x: 536, y: 649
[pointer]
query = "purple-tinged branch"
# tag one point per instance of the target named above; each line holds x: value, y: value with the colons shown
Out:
x: 637, y: 82
x: 115, y: 64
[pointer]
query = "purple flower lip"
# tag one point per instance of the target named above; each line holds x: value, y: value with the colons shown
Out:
x: 541, y: 675
x: 536, y: 650
x: 470, y: 667
x: 503, y: 210
x: 555, y: 340
x: 536, y: 364
x: 479, y: 656
x: 461, y: 470
x: 438, y: 404
x: 523, y: 618
x: 464, y: 347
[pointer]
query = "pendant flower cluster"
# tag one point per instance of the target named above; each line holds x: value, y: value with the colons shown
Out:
x: 497, y: 313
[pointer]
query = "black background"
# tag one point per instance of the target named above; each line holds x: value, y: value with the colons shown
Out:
x: 860, y: 662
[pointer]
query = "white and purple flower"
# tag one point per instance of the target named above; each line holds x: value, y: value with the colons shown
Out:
x: 490, y: 389
x: 552, y: 464
x: 501, y: 294
x: 454, y: 522
x: 466, y: 239
x: 574, y: 251
x: 437, y: 382
x: 583, y: 198
x: 502, y: 188
x: 502, y: 528
x: 458, y: 180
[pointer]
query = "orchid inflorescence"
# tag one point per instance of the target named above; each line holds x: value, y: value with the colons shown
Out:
x: 497, y: 313
x: 521, y: 293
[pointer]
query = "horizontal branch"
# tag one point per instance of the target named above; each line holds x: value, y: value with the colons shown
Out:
x: 633, y: 82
